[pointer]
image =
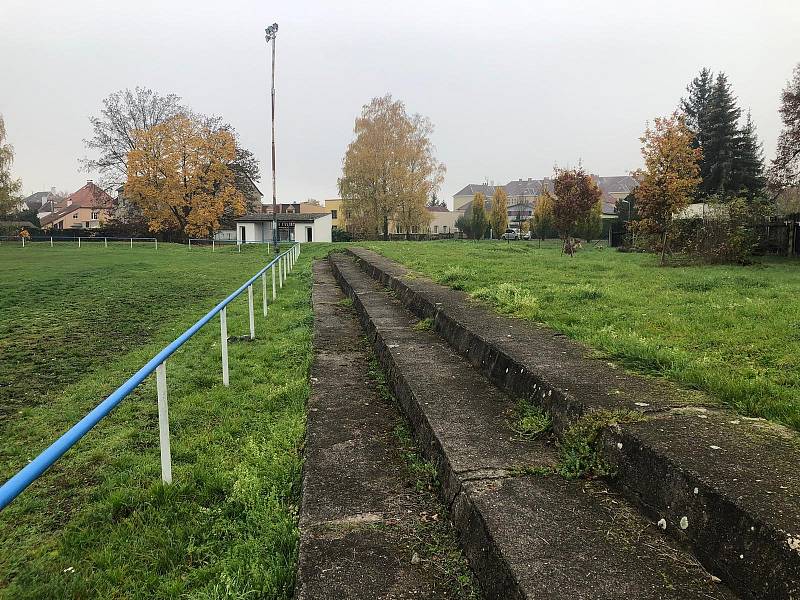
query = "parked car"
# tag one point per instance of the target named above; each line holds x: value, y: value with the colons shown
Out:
x: 510, y: 234
x: 527, y: 236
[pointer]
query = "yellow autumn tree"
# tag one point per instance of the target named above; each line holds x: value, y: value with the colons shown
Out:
x: 389, y: 170
x: 542, y: 221
x: 670, y: 177
x: 179, y: 176
x: 498, y: 213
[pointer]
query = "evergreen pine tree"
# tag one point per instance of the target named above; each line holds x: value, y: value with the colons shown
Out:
x: 749, y: 177
x: 721, y: 147
x: 695, y: 108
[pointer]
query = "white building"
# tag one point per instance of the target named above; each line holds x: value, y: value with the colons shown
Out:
x: 299, y: 227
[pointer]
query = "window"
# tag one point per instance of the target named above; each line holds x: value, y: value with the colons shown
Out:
x: 75, y: 216
x: 95, y: 215
x: 87, y: 224
x: 435, y: 229
x: 333, y: 214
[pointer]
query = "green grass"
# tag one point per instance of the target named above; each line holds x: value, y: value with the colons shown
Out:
x: 74, y: 324
x: 731, y: 331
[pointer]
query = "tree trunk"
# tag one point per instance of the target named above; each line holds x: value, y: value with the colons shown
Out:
x: 385, y: 228
x: 663, y: 246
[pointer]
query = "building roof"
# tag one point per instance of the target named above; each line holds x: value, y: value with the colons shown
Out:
x: 89, y: 196
x: 437, y: 208
x: 474, y: 188
x: 308, y: 217
x: 36, y: 200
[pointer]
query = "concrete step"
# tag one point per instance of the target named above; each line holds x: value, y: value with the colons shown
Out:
x: 526, y: 533
x: 726, y: 486
x: 360, y: 517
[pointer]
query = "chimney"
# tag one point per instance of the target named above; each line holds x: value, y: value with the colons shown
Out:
x: 89, y: 182
x: 530, y: 179
x: 53, y: 190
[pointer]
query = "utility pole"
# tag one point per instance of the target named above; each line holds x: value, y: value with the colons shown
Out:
x: 272, y: 32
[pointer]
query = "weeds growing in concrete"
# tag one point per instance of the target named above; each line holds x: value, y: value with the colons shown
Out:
x: 580, y: 456
x: 424, y: 325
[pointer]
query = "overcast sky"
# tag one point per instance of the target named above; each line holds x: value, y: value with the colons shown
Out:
x: 511, y: 87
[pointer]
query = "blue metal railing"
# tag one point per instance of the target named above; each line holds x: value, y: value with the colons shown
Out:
x: 33, y: 470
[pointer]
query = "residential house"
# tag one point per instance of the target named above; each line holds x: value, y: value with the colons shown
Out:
x: 41, y: 202
x: 256, y: 228
x: 87, y: 208
x: 334, y: 206
x: 443, y: 220
x: 524, y: 194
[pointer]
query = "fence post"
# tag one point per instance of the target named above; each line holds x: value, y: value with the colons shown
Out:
x: 131, y: 243
x: 105, y: 242
x: 250, y: 310
x: 23, y: 240
x: 156, y: 241
x: 190, y: 243
x: 163, y: 423
x: 280, y: 272
x: 212, y: 245
x: 264, y: 291
x: 240, y: 248
x: 274, y: 292
x: 223, y: 330
x: 79, y: 242
x: 51, y: 241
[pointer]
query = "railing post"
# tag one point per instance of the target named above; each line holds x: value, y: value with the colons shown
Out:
x: 212, y: 245
x: 280, y: 272
x: 190, y: 243
x: 250, y: 310
x: 105, y: 242
x: 223, y: 330
x: 274, y: 291
x: 131, y: 243
x: 264, y: 291
x: 156, y: 241
x: 23, y: 240
x: 79, y: 242
x: 51, y: 241
x: 163, y: 423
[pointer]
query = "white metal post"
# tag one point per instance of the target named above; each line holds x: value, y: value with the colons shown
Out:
x: 105, y: 242
x: 274, y: 291
x: 156, y: 241
x: 51, y: 242
x: 23, y: 240
x: 240, y: 248
x: 190, y: 243
x: 250, y: 309
x: 163, y: 423
x: 79, y: 242
x: 280, y: 271
x: 131, y: 243
x: 223, y: 330
x: 212, y: 245
x: 264, y: 291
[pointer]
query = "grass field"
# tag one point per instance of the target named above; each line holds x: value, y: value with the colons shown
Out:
x: 731, y: 331
x: 74, y: 324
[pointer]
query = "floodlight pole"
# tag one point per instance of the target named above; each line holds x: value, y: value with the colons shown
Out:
x: 272, y: 32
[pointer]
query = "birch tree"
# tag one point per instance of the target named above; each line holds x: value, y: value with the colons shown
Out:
x: 389, y: 170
